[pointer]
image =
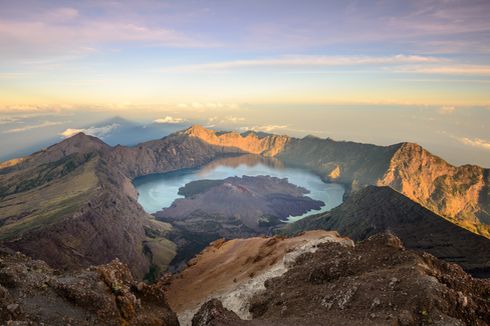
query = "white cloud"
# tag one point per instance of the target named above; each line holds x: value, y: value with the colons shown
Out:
x: 446, y: 109
x: 207, y: 105
x: 169, y: 119
x: 233, y: 119
x: 100, y: 132
x: 307, y: 60
x: 476, y: 142
x: 30, y: 127
x: 451, y: 69
x: 265, y: 128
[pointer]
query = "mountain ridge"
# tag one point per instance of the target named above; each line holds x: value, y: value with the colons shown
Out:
x: 459, y: 194
x: 374, y: 209
x: 102, y: 201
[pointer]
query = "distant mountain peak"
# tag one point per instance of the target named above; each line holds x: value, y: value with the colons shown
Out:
x: 268, y: 145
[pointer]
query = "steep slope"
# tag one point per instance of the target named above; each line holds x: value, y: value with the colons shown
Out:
x: 235, y: 270
x: 73, y: 204
x: 376, y: 282
x: 176, y: 151
x: 63, y: 205
x: 31, y: 293
x: 372, y: 210
x: 460, y: 194
x: 250, y: 142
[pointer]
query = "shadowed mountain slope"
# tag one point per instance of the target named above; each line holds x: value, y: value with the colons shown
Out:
x: 372, y: 210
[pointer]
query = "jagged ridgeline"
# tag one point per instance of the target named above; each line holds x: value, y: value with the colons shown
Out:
x: 73, y: 204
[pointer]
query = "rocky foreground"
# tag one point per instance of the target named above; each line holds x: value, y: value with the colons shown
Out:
x: 321, y: 279
x: 316, y: 278
x: 32, y: 293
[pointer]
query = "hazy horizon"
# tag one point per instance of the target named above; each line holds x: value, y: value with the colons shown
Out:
x: 378, y: 72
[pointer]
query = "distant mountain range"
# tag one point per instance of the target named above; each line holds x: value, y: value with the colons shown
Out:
x: 73, y: 203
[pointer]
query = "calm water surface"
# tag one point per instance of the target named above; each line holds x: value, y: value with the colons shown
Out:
x: 157, y: 191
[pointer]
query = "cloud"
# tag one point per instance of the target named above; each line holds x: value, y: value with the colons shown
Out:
x: 265, y: 128
x: 207, y: 105
x: 99, y: 132
x: 69, y: 33
x: 36, y: 126
x: 452, y: 69
x: 169, y: 119
x: 306, y: 60
x: 227, y: 119
x: 446, y: 109
x: 476, y: 142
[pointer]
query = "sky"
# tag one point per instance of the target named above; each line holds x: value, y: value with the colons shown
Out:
x: 370, y: 71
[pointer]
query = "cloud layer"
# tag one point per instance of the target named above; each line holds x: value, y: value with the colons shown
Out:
x: 169, y: 119
x: 99, y: 132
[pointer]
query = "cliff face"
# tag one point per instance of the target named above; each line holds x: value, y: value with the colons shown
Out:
x: 268, y: 145
x: 373, y: 210
x: 458, y: 193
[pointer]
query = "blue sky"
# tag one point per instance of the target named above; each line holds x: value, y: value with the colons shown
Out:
x: 251, y: 59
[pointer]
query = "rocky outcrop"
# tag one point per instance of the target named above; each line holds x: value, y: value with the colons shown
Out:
x: 212, y: 313
x: 372, y: 210
x: 458, y: 193
x: 235, y: 270
x: 376, y: 282
x: 250, y: 142
x: 31, y: 293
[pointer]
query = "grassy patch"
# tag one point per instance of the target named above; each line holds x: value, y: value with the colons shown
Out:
x: 48, y: 203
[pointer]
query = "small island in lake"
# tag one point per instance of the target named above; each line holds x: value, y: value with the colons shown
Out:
x: 256, y: 203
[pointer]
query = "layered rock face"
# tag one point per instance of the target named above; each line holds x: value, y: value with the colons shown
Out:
x: 373, y: 210
x: 460, y: 194
x: 31, y: 293
x: 376, y: 282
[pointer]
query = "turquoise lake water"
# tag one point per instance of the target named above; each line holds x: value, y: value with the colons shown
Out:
x: 158, y: 191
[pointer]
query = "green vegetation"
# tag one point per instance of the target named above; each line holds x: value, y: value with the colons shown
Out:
x: 158, y: 247
x: 48, y: 203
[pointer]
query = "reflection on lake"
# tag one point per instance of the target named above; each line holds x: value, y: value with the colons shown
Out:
x: 157, y: 191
